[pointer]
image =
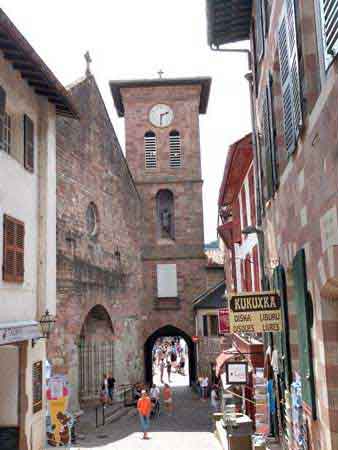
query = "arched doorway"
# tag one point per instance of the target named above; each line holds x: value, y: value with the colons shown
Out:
x: 168, y: 331
x: 96, y: 352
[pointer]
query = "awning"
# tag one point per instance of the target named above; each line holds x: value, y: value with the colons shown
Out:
x: 228, y: 21
x: 18, y: 331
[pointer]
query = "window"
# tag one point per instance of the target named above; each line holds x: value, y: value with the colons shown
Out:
x: 13, y: 258
x: 175, y: 149
x: 243, y: 207
x: 213, y: 325
x: 205, y: 326
x: 165, y: 214
x: 29, y: 143
x: 5, y: 124
x: 92, y: 219
x: 150, y: 150
x: 289, y: 74
x: 329, y: 18
x: 166, y: 281
x: 268, y: 140
x: 259, y: 29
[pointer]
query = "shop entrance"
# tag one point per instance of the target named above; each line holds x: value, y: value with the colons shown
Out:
x: 9, y: 394
x: 160, y: 346
x: 96, y: 352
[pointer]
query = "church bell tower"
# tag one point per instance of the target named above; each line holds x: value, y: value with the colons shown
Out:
x: 163, y: 154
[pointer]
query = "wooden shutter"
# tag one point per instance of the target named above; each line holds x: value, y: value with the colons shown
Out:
x: 13, y: 258
x: 289, y: 73
x: 236, y: 222
x: 259, y: 31
x: 243, y: 275
x: 29, y: 143
x: 272, y: 132
x: 244, y: 210
x: 303, y: 306
x: 329, y: 9
x: 248, y: 279
x: 280, y: 283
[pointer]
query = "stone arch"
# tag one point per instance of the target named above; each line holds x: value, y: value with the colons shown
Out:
x: 97, y: 325
x: 168, y: 330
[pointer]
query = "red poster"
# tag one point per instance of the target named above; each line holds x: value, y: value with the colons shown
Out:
x: 223, y: 321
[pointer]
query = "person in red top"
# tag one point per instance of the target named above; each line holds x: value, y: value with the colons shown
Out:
x: 144, y: 408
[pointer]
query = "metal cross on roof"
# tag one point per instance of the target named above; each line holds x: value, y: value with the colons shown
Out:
x: 160, y: 73
x: 88, y: 61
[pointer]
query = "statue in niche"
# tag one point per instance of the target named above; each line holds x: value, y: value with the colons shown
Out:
x: 165, y: 214
x: 166, y: 223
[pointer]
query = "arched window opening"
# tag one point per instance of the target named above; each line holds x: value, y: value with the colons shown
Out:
x: 165, y: 214
x: 175, y: 149
x: 150, y: 150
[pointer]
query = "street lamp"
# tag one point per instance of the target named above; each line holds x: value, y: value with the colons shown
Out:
x: 47, y: 322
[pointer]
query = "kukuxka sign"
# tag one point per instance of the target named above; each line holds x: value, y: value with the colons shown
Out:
x: 253, y: 312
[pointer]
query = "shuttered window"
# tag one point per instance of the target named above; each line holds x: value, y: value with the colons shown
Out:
x: 175, y: 149
x: 329, y: 16
x: 269, y: 144
x: 252, y: 196
x: 5, y: 142
x: 2, y: 116
x: 29, y: 143
x: 289, y: 74
x: 150, y: 150
x: 13, y: 245
x: 259, y: 29
x: 243, y: 206
x: 304, y: 314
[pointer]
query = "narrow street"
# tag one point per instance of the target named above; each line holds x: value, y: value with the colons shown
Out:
x: 190, y: 427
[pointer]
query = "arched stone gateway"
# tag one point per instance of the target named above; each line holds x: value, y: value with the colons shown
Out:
x: 171, y: 331
x: 96, y: 352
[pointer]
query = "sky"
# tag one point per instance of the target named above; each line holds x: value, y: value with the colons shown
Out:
x: 131, y: 39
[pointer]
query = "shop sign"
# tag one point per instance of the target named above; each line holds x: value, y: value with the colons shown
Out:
x: 253, y: 312
x: 236, y: 372
x: 37, y: 386
x: 223, y: 321
x: 17, y: 333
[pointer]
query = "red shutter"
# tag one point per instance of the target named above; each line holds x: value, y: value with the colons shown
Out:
x: 244, y: 211
x: 236, y: 222
x: 248, y: 279
x: 252, y: 197
x: 29, y: 143
x: 256, y: 268
x: 13, y: 259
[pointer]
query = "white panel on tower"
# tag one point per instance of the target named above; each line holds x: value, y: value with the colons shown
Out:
x: 166, y: 280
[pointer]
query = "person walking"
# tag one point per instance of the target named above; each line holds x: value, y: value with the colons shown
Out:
x: 111, y: 384
x: 104, y: 390
x: 214, y: 399
x: 168, y: 399
x: 204, y: 386
x: 155, y: 400
x: 144, y: 410
x: 162, y: 365
x: 169, y: 369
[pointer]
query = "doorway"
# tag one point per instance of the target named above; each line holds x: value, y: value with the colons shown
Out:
x: 165, y: 337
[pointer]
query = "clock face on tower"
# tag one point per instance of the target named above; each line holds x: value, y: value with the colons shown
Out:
x: 161, y: 115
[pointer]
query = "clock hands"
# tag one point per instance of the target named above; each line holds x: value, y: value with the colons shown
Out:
x: 163, y: 114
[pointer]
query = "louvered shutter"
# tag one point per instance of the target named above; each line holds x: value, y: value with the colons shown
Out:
x: 13, y: 244
x: 273, y: 151
x: 236, y: 222
x: 259, y: 31
x: 256, y: 268
x: 29, y: 143
x: 329, y: 10
x: 289, y: 73
x: 267, y: 145
x: 303, y: 306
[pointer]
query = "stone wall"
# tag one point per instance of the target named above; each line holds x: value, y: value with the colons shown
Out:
x: 103, y: 268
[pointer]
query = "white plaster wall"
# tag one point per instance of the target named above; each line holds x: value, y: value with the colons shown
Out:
x: 9, y: 385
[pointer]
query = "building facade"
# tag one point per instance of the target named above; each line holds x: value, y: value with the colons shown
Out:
x: 294, y: 92
x: 99, y: 267
x: 163, y: 154
x: 30, y: 100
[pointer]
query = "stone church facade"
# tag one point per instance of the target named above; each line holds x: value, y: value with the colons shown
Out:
x: 130, y: 244
x: 99, y: 270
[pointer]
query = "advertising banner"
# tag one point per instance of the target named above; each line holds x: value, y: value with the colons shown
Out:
x: 60, y: 420
x: 253, y: 312
x: 223, y: 321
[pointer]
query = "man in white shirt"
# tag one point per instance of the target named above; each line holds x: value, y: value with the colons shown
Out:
x: 154, y: 392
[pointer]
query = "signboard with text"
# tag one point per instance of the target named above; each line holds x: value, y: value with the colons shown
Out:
x: 255, y: 312
x: 237, y: 372
x: 223, y: 321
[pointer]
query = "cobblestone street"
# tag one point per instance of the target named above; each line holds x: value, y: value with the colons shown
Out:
x: 190, y: 427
